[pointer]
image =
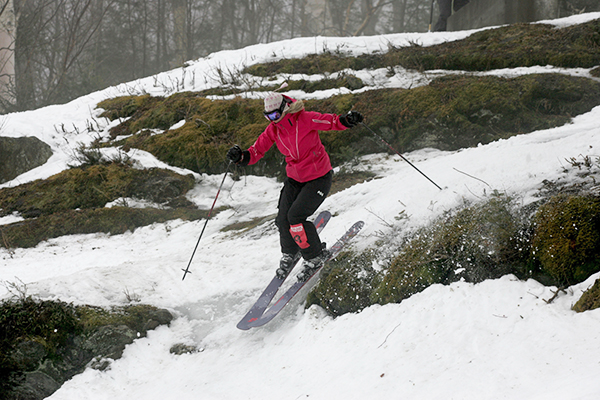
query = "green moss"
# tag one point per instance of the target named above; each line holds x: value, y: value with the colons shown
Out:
x: 451, y: 113
x: 517, y: 45
x: 345, y: 285
x: 94, y: 186
x: 567, y: 237
x: 133, y: 316
x: 348, y: 81
x: 115, y: 220
x: 49, y: 323
x: 482, y: 241
x: 54, y: 325
x: 124, y: 107
x: 313, y: 64
x: 590, y: 299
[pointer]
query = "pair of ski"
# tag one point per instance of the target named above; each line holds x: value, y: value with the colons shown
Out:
x: 261, y: 313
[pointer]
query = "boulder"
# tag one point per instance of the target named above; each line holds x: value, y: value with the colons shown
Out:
x: 19, y: 155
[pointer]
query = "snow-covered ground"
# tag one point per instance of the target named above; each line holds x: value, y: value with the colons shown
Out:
x: 494, y: 340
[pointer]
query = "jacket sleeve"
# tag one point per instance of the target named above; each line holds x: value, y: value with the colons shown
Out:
x: 324, y: 122
x: 262, y: 145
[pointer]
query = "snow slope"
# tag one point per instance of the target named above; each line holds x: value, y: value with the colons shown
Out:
x: 494, y: 340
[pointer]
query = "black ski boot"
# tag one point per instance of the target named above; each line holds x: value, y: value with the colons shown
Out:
x: 286, y: 264
x: 312, y: 265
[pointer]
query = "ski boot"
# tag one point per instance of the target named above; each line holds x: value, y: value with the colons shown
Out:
x: 312, y: 265
x: 286, y: 264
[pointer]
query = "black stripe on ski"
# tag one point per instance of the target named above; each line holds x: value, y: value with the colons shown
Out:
x: 265, y: 298
x: 295, y: 288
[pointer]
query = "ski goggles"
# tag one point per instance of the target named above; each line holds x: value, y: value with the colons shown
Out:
x: 277, y: 113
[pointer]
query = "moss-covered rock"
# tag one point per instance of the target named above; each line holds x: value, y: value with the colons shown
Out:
x: 590, y: 299
x: 567, y: 237
x: 93, y: 186
x: 114, y: 220
x: 345, y: 285
x: 517, y: 45
x: 451, y: 113
x: 44, y: 343
x: 482, y: 241
x: 19, y: 155
x: 72, y: 202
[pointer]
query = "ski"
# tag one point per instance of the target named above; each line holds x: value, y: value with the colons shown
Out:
x: 265, y: 298
x: 334, y: 250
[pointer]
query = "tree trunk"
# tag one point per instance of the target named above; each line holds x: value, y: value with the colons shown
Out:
x: 8, y: 31
x: 180, y: 32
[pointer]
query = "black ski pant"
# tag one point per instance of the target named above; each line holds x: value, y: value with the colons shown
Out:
x: 297, y: 202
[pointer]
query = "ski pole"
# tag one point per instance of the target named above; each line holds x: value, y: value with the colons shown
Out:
x: 394, y: 150
x: 187, y: 270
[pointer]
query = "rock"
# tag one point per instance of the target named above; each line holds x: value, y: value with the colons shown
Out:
x: 19, y: 155
x: 29, y: 354
x: 110, y: 341
x: 44, y: 374
x: 180, y: 348
x: 37, y: 385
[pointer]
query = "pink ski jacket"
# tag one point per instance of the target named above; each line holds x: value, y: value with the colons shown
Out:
x: 296, y: 135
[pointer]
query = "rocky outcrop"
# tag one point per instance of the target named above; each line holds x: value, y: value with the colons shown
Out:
x: 44, y: 374
x: 19, y: 155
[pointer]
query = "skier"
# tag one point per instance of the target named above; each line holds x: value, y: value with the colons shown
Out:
x: 295, y: 132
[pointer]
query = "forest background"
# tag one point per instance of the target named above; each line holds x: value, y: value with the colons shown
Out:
x: 53, y: 51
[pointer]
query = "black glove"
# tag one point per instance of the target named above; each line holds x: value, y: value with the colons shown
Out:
x: 235, y: 154
x: 351, y: 119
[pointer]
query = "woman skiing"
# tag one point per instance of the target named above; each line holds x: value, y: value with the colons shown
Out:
x: 295, y: 131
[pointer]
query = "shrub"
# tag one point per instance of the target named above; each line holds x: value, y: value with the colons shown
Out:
x: 49, y: 323
x: 345, y: 284
x: 567, y: 237
x: 482, y: 241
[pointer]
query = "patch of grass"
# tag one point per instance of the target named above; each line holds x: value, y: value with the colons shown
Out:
x: 134, y: 316
x: 91, y: 187
x: 248, y: 225
x: 345, y: 179
x: 126, y: 106
x: 567, y: 237
x: 590, y: 299
x: 346, y: 284
x: 48, y: 323
x: 308, y: 86
x: 481, y: 241
x: 313, y: 64
x: 451, y: 113
x: 517, y: 45
x: 115, y: 220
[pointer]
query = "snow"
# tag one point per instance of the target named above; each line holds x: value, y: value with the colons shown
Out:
x: 495, y: 340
